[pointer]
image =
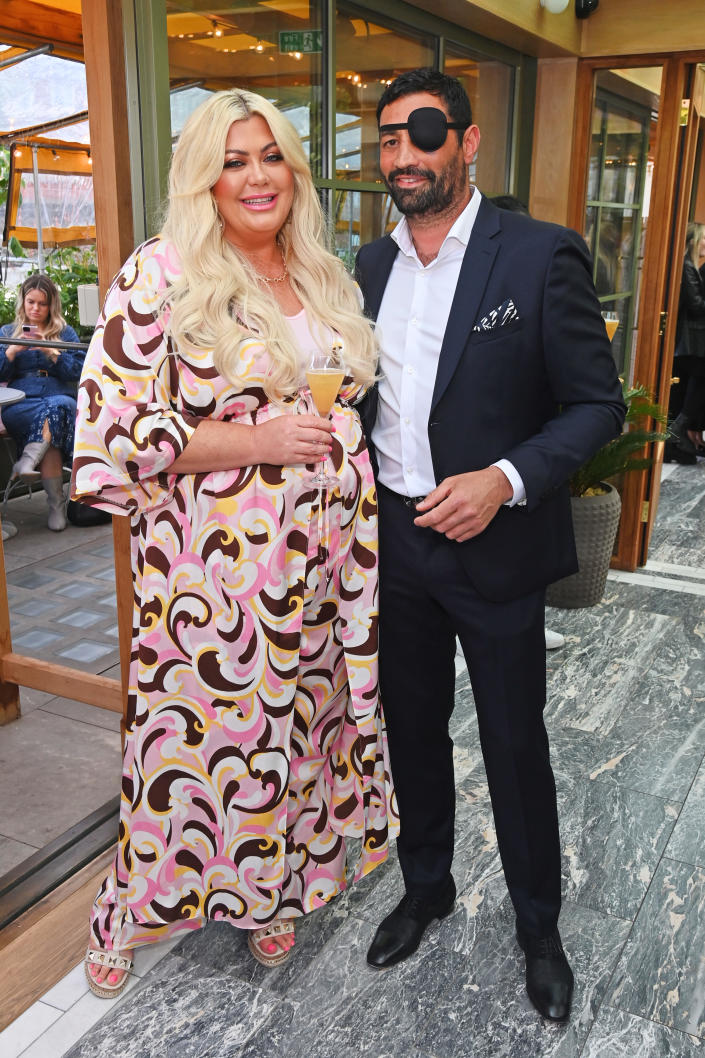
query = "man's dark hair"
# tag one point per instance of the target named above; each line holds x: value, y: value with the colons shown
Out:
x: 510, y: 202
x: 426, y: 79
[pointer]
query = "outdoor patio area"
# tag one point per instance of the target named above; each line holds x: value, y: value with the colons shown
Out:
x: 55, y: 761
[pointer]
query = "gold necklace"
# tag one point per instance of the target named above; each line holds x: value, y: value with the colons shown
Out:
x: 276, y: 279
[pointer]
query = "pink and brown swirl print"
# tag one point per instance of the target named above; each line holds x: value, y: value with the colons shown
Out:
x: 255, y: 742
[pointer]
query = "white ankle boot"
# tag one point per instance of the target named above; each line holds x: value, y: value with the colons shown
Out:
x: 54, y: 488
x: 32, y: 455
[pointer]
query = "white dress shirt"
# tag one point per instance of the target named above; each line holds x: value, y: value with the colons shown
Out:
x: 410, y: 326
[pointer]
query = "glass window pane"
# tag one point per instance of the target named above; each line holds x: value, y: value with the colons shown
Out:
x: 360, y: 217
x: 368, y: 55
x: 273, y: 47
x: 41, y: 89
x: 596, y: 143
x: 624, y: 122
x: 490, y: 88
x: 591, y: 228
x: 614, y: 254
x: 623, y: 150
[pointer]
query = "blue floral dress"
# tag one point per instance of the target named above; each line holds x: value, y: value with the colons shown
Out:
x: 50, y: 393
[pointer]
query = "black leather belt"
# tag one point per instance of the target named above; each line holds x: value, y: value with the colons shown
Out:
x: 408, y: 501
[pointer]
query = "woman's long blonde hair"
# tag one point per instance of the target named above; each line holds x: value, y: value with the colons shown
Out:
x: 217, y: 301
x: 693, y: 239
x: 55, y: 321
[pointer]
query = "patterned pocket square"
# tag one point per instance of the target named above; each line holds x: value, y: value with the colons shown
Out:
x: 499, y: 317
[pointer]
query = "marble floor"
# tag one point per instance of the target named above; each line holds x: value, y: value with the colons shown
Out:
x: 626, y: 714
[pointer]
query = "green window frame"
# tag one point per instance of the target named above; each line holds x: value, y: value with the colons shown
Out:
x: 148, y: 87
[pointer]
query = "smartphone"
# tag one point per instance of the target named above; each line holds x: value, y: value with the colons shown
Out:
x: 30, y: 330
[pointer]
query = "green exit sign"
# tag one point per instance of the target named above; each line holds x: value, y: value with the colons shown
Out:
x: 306, y: 41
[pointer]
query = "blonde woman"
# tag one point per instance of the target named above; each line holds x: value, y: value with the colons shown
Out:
x: 42, y: 425
x: 255, y: 743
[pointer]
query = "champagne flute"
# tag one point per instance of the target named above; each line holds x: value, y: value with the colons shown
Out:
x: 325, y: 373
x: 611, y: 323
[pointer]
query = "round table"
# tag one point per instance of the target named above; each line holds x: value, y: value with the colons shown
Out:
x: 9, y: 396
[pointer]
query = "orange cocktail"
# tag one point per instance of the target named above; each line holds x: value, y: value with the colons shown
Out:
x: 325, y: 385
x: 325, y: 373
x: 611, y: 326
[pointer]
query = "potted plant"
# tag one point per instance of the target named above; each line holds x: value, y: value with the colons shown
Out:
x: 596, y: 505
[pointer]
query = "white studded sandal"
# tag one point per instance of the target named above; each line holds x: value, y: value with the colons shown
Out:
x: 113, y: 959
x: 279, y: 928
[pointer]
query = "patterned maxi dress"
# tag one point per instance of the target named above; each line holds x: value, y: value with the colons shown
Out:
x: 255, y: 744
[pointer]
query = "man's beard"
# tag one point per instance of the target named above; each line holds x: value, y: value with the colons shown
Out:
x: 437, y: 196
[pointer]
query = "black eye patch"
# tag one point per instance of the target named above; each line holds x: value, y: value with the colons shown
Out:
x: 427, y: 128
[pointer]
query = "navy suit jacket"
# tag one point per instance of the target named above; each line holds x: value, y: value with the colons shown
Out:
x: 541, y: 390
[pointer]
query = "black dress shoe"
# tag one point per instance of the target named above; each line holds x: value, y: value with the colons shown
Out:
x: 678, y: 430
x: 400, y: 933
x: 673, y: 454
x: 549, y: 978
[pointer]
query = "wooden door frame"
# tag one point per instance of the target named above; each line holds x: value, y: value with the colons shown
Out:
x: 102, y: 29
x: 684, y: 156
x: 43, y: 944
x: 651, y: 366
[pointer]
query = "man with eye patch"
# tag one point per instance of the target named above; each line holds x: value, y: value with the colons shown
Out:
x: 497, y: 382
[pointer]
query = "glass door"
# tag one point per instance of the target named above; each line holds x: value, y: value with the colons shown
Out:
x: 687, y: 204
x: 629, y: 200
x: 620, y: 171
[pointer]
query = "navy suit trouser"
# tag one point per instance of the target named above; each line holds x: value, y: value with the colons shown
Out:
x: 426, y: 599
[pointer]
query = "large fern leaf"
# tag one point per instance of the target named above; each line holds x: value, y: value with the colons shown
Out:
x: 632, y: 449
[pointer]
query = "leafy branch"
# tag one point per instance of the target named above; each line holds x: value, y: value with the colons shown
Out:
x: 629, y: 451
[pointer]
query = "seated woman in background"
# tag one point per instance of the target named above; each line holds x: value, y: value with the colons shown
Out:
x: 42, y: 425
x: 254, y: 740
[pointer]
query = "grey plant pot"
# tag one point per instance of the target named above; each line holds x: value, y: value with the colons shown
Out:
x: 595, y: 523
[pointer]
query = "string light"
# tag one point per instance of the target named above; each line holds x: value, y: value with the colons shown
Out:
x: 216, y: 29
